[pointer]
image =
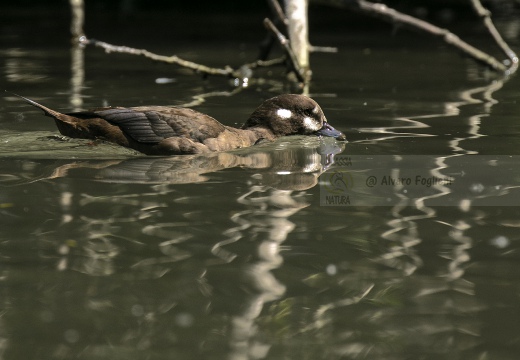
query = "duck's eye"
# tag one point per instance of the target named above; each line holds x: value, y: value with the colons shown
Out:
x: 309, y: 112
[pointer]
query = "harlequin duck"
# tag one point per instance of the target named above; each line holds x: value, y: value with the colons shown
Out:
x: 162, y: 130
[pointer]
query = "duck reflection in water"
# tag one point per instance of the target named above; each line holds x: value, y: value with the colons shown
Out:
x: 288, y: 165
x: 163, y: 130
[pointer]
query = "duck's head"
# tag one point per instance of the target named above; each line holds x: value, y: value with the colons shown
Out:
x: 291, y: 114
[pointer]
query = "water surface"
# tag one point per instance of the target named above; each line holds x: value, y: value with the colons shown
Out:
x: 109, y: 254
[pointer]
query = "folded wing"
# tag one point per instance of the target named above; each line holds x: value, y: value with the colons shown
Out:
x: 154, y: 124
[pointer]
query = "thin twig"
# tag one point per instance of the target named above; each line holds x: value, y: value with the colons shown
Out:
x: 266, y: 63
x: 199, y: 99
x: 323, y: 49
x: 279, y: 19
x: 446, y: 35
x: 485, y: 14
x: 277, y: 10
x: 287, y: 48
x: 174, y: 59
x: 391, y: 15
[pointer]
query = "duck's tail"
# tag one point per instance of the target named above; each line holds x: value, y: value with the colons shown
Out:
x: 49, y: 112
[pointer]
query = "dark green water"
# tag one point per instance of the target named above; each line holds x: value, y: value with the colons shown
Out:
x: 401, y: 244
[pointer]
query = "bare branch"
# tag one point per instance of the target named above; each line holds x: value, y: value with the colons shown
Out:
x: 287, y: 48
x: 277, y: 10
x: 323, y: 49
x: 174, y: 59
x: 201, y: 98
x: 266, y: 63
x: 241, y: 72
x: 485, y: 14
x: 279, y: 19
x: 391, y: 15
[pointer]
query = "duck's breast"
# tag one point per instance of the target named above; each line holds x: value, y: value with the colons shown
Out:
x: 230, y: 139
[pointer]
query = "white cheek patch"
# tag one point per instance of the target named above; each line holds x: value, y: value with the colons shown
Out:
x: 284, y: 113
x: 311, y: 124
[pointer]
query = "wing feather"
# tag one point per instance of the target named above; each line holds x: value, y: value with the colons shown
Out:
x: 145, y: 127
x: 152, y: 124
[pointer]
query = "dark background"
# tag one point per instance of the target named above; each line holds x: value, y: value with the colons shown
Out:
x: 122, y: 21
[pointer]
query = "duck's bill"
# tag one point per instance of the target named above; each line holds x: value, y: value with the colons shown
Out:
x: 328, y: 130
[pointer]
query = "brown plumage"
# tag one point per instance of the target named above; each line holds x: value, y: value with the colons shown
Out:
x: 162, y: 130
